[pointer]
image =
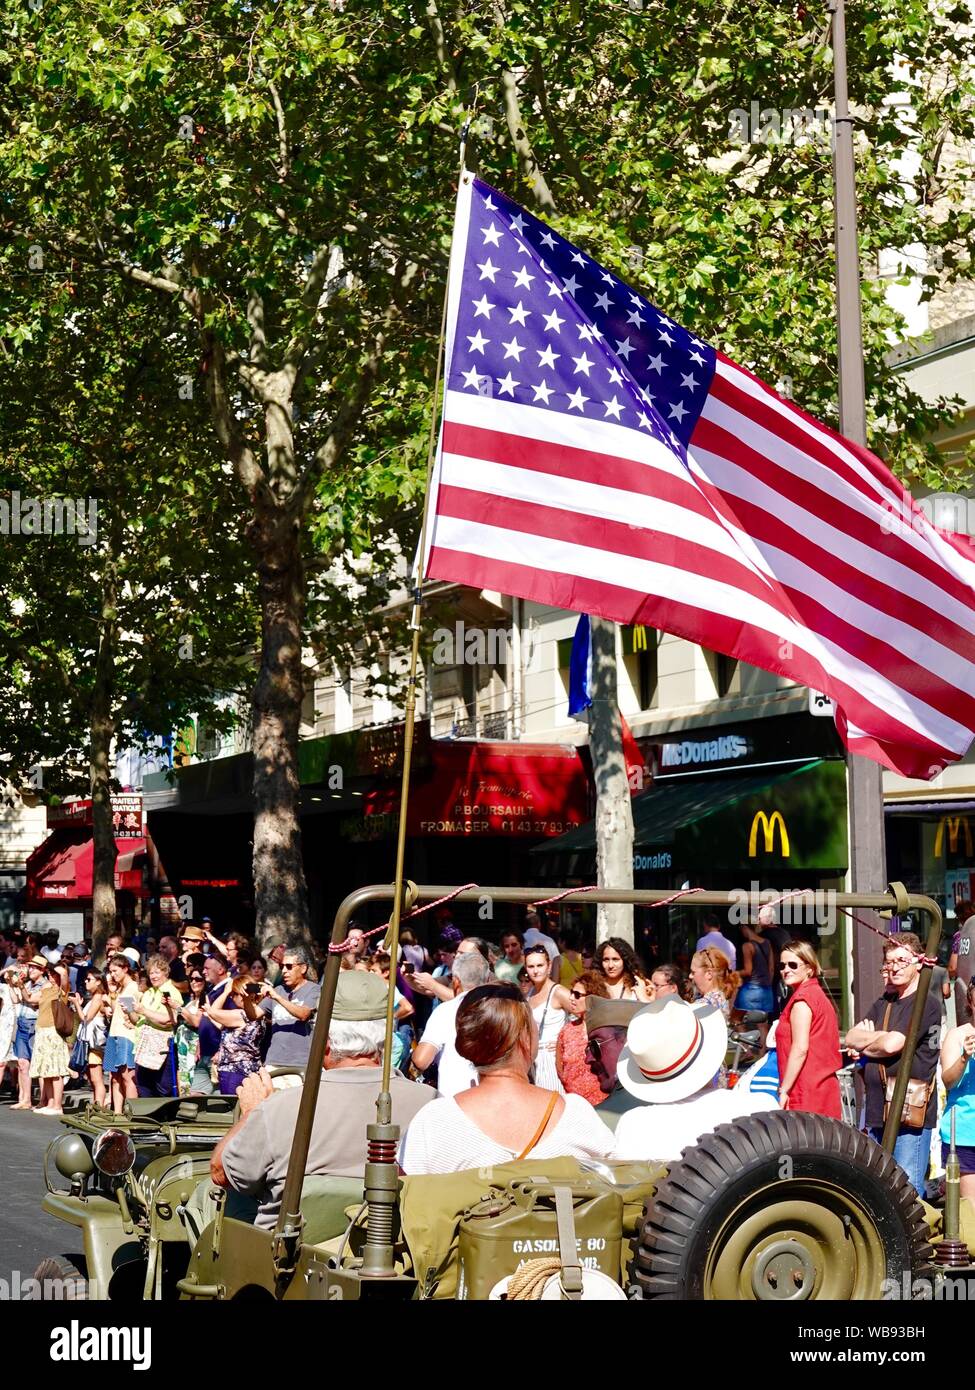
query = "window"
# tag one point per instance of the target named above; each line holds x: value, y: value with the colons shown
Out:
x: 724, y: 673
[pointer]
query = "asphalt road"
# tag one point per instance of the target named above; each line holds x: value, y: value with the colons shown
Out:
x: 27, y: 1234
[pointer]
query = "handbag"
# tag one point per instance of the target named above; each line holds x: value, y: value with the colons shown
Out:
x: 63, y: 1017
x: 918, y: 1092
x: 78, y: 1060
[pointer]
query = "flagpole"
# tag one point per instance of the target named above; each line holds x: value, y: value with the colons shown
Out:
x: 392, y: 938
x: 867, y: 869
x: 382, y: 1137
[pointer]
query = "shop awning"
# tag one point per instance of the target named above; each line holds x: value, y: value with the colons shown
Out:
x: 672, y: 804
x: 62, y: 869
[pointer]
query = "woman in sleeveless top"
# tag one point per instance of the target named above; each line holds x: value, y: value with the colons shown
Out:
x: 757, y: 968
x: 958, y: 1073
x: 807, y: 1040
x: 549, y: 1004
x: 623, y: 971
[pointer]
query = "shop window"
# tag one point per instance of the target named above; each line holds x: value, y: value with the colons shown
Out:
x: 640, y: 657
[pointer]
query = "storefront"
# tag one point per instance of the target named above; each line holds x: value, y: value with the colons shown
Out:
x: 475, y: 812
x: 60, y: 871
x: 759, y: 806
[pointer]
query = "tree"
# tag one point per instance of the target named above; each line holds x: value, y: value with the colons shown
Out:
x: 120, y: 617
x: 282, y: 179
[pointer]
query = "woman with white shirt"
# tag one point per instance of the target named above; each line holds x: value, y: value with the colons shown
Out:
x: 550, y: 1006
x: 505, y: 1117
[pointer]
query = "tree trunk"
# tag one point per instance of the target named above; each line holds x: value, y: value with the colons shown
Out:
x: 614, y: 813
x: 102, y: 733
x: 280, y: 893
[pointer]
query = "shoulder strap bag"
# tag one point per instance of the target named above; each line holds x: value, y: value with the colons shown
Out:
x: 918, y: 1092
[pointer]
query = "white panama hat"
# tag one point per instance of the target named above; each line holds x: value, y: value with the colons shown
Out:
x: 672, y: 1050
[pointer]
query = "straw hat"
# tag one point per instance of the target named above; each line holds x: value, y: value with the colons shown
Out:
x: 672, y: 1050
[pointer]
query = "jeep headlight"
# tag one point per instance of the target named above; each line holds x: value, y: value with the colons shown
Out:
x: 113, y: 1153
x: 72, y: 1158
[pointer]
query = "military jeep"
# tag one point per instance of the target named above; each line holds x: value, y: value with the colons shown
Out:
x: 778, y: 1206
x: 128, y: 1176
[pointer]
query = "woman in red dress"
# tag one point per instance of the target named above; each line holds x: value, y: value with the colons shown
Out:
x: 807, y: 1038
x: 570, y: 1045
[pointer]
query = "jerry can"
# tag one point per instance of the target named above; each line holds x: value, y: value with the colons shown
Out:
x: 518, y: 1223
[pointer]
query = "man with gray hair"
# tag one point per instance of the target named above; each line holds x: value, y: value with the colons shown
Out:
x: 439, y: 1039
x: 292, y: 1007
x: 253, y: 1157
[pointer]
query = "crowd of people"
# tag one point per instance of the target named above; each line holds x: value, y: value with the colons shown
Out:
x: 188, y: 1014
x: 507, y: 1036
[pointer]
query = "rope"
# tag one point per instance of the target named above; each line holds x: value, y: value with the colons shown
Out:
x: 527, y: 1282
x: 343, y: 946
x: 591, y: 887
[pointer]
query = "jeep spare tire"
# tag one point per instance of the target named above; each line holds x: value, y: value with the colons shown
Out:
x: 781, y: 1206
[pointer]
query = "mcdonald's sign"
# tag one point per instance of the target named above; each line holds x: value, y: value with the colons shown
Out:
x: 768, y: 824
x: 956, y: 825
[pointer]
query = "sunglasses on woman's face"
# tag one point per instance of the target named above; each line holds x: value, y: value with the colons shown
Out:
x: 577, y: 993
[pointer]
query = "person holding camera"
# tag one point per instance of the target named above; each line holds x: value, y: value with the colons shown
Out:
x: 25, y: 982
x: 89, y: 1048
x: 291, y: 1009
x: 239, y: 1053
x: 158, y: 1014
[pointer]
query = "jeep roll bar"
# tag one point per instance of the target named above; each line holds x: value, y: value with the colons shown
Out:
x: 381, y: 1177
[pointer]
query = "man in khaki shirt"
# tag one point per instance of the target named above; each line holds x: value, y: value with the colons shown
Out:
x: 253, y: 1157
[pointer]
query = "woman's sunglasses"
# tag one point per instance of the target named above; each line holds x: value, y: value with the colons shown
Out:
x: 577, y: 993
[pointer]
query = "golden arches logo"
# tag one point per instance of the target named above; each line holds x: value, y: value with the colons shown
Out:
x: 768, y: 824
x: 956, y: 825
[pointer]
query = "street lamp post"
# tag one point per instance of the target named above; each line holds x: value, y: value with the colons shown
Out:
x: 867, y: 869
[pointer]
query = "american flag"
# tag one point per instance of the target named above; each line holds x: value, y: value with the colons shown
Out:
x: 596, y: 456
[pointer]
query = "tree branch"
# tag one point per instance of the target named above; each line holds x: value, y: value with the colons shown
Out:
x: 349, y: 413
x: 523, y: 146
x: 284, y: 150
x: 321, y: 283
x: 562, y: 149
x: 255, y: 317
x: 249, y: 471
x: 435, y: 25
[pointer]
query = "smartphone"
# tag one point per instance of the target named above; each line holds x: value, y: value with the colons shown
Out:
x: 252, y: 989
x: 409, y: 969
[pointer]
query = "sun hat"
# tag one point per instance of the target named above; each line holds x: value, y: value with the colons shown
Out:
x: 672, y: 1050
x: 39, y: 961
x: 359, y: 995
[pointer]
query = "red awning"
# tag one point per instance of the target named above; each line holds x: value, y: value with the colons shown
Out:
x: 61, y: 869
